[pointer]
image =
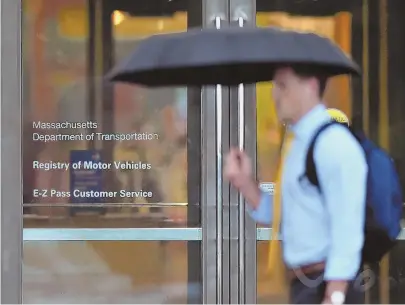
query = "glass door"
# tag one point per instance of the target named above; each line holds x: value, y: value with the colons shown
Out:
x: 366, y: 30
x: 132, y: 220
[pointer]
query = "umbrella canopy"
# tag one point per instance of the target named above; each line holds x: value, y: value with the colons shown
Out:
x: 229, y: 56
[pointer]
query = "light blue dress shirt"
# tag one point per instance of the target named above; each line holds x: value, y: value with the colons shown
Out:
x: 319, y: 227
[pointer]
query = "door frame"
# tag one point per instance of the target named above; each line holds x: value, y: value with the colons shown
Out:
x: 235, y: 233
x: 11, y: 161
x: 242, y: 109
x: 366, y: 100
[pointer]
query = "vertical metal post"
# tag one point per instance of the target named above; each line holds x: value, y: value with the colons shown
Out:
x: 11, y: 161
x: 243, y: 12
x: 236, y: 202
x: 220, y: 204
x: 241, y: 201
x: 383, y: 126
x: 365, y: 87
x: 194, y: 249
x: 214, y: 13
x: 365, y: 67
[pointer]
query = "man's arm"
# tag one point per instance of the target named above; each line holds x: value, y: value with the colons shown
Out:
x: 259, y: 204
x: 342, y: 172
x: 263, y: 213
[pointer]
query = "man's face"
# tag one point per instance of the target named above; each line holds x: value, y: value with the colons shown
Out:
x: 289, y: 91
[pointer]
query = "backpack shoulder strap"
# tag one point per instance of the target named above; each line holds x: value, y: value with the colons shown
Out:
x: 310, y: 166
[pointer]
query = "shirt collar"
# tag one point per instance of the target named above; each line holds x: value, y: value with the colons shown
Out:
x: 307, y: 125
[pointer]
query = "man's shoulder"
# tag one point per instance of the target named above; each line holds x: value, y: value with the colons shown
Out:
x: 337, y: 142
x: 337, y: 131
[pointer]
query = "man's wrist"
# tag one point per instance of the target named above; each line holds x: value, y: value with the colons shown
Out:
x: 336, y: 291
x: 251, y: 191
x: 249, y: 185
x: 337, y: 298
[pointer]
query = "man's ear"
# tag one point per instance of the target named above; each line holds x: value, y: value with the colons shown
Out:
x: 311, y: 85
x: 315, y: 85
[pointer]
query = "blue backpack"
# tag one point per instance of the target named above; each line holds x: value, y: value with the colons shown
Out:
x: 384, y: 196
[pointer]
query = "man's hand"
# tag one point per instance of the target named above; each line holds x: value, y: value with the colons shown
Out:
x: 238, y: 168
x: 334, y: 286
x: 238, y: 171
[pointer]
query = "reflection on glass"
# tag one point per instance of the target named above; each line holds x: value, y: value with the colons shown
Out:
x: 75, y: 151
x: 109, y: 273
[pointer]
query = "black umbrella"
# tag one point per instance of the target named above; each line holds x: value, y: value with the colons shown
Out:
x: 229, y: 56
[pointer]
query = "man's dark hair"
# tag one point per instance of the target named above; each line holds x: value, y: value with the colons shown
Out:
x: 307, y: 72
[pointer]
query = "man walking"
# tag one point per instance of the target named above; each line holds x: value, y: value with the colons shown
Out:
x: 322, y: 232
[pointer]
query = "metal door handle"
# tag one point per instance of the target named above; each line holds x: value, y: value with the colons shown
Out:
x: 241, y: 143
x: 220, y: 204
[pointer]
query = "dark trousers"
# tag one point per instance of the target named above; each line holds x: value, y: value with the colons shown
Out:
x: 313, y: 291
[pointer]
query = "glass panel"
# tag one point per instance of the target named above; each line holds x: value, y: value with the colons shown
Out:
x: 271, y: 288
x: 367, y: 30
x: 397, y: 275
x: 70, y: 111
x: 395, y: 77
x: 110, y: 272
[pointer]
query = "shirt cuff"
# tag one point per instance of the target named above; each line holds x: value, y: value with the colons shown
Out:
x: 263, y: 212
